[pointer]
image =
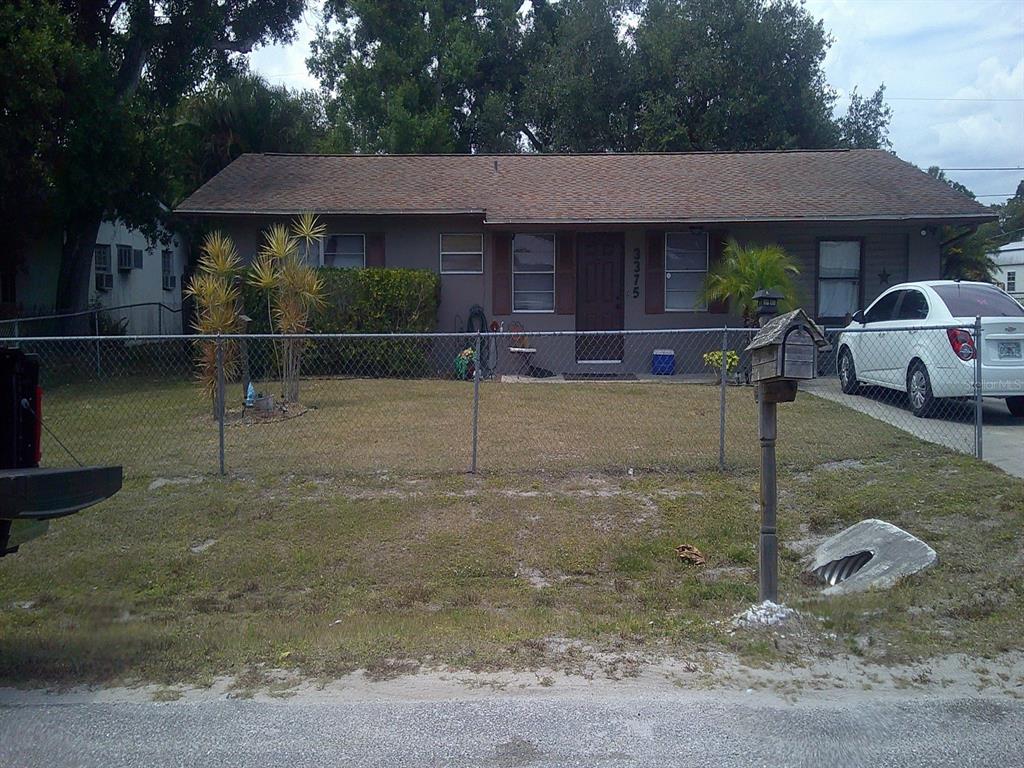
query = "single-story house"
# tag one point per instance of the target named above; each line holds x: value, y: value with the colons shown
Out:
x: 601, y: 241
x: 1009, y: 273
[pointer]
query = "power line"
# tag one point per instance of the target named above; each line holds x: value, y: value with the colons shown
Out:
x: 991, y: 168
x: 1001, y: 194
x: 950, y: 98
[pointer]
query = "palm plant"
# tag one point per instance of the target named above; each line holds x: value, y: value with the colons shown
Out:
x: 293, y: 290
x: 215, y: 291
x: 744, y: 270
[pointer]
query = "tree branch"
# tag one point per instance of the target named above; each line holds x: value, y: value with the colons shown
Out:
x: 532, y: 137
x: 234, y: 46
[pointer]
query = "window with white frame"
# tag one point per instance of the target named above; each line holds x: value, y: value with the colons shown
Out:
x: 309, y: 251
x: 533, y: 273
x: 1011, y: 282
x: 462, y: 254
x: 125, y: 258
x: 686, y: 266
x: 838, y: 278
x: 168, y: 279
x: 101, y: 258
x: 346, y: 251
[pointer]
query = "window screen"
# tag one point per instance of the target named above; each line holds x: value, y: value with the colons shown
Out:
x: 686, y: 266
x: 838, y: 277
x: 346, y: 251
x: 533, y: 273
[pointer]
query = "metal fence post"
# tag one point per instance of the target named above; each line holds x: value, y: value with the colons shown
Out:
x: 476, y: 399
x: 96, y: 331
x: 721, y: 401
x: 220, y: 401
x: 978, y: 422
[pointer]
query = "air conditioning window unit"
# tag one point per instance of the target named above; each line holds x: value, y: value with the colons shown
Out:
x: 104, y: 281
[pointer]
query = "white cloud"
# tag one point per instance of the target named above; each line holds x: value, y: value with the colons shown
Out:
x: 928, y: 51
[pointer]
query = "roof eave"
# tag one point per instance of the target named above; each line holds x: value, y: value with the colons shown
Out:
x: 186, y: 211
x: 962, y: 218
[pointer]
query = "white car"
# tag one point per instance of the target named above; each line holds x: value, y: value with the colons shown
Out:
x: 918, y: 338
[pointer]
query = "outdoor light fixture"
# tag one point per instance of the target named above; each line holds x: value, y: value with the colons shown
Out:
x: 767, y: 303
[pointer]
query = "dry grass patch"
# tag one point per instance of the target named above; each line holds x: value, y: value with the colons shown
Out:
x: 351, y: 538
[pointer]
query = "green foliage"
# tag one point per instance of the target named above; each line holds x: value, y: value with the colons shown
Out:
x: 710, y: 75
x: 744, y: 270
x: 89, y: 91
x: 369, y: 301
x: 378, y: 301
x: 713, y: 360
x: 966, y: 253
x: 575, y: 95
x: 243, y: 114
x: 866, y: 122
x: 479, y: 75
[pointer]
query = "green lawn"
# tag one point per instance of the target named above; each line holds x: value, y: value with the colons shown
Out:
x: 350, y: 536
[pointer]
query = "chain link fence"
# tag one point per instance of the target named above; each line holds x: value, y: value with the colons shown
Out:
x: 146, y: 318
x: 551, y: 402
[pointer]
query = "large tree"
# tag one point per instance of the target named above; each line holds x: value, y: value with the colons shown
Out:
x: 730, y: 75
x: 408, y: 76
x: 110, y: 73
x: 583, y: 75
x: 238, y: 114
x: 575, y: 93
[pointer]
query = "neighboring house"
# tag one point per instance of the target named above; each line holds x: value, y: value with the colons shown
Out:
x: 127, y: 270
x: 602, y: 241
x: 1009, y: 273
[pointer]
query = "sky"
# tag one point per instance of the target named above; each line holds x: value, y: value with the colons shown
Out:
x: 953, y: 71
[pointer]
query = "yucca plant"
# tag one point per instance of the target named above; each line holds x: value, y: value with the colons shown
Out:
x: 293, y: 290
x: 744, y: 270
x: 215, y: 290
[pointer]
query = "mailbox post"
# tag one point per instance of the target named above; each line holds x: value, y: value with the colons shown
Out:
x: 782, y: 353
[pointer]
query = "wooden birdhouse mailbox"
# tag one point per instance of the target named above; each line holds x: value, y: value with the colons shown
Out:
x: 785, y: 351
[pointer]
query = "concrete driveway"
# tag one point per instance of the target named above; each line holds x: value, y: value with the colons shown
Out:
x: 1002, y: 434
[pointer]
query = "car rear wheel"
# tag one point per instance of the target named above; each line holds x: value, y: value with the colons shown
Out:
x: 848, y: 373
x: 1016, y: 405
x: 919, y: 390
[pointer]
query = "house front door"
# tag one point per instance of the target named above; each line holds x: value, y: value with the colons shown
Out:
x: 600, y: 268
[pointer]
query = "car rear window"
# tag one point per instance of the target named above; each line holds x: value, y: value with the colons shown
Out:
x: 977, y: 300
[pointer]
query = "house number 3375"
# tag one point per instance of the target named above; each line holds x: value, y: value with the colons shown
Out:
x: 636, y: 273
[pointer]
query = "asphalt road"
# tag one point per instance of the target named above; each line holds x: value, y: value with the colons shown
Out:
x: 1002, y: 434
x: 703, y: 729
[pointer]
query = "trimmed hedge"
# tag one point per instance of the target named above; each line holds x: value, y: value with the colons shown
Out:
x: 365, y: 301
x: 379, y: 301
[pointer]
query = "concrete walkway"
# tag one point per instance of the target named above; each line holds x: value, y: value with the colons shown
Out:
x: 1002, y: 436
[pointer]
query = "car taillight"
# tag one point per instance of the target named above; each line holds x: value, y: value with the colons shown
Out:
x: 962, y: 343
x: 39, y: 425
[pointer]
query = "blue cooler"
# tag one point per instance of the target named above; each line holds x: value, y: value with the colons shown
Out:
x: 663, y: 363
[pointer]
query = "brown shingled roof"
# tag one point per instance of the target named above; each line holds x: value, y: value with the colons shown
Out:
x: 699, y: 187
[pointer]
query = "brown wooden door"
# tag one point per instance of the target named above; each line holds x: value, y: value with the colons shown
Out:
x: 600, y: 269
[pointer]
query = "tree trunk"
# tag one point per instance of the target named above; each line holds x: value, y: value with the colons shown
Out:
x: 75, y: 270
